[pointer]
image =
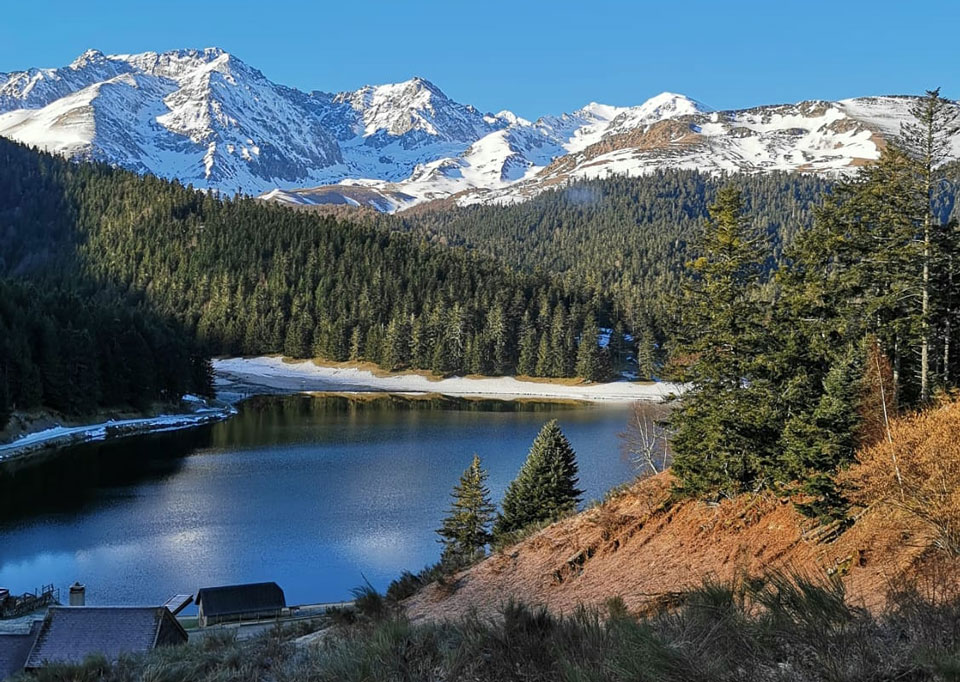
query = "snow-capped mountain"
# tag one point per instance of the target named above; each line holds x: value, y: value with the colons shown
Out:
x: 207, y: 118
x: 201, y: 116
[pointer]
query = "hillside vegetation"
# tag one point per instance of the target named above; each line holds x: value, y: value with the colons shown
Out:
x: 188, y: 274
x: 646, y: 547
x: 627, y: 236
x: 639, y: 588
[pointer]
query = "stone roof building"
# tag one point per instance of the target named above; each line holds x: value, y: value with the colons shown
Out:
x: 254, y: 601
x: 70, y: 634
x: 14, y: 649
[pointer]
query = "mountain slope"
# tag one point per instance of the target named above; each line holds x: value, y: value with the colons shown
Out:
x: 645, y: 550
x: 207, y: 118
x: 203, y: 117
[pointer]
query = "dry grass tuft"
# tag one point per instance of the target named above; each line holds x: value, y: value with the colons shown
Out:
x: 916, y: 470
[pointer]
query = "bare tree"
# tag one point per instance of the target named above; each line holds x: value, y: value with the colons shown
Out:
x: 645, y: 441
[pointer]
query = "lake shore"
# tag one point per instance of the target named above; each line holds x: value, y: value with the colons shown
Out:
x: 237, y: 377
x: 53, y: 437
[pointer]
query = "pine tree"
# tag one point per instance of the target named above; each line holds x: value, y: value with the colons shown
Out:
x: 418, y: 342
x: 646, y: 353
x: 546, y: 486
x: 858, y: 270
x: 590, y: 363
x: 544, y: 364
x: 617, y: 347
x: 396, y: 344
x: 818, y: 444
x: 927, y: 143
x: 527, y: 362
x: 356, y: 343
x: 466, y: 529
x: 558, y: 343
x: 725, y: 431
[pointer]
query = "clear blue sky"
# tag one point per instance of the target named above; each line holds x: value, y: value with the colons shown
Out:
x: 529, y: 56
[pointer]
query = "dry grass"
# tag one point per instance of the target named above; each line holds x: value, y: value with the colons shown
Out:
x: 643, y: 547
x: 780, y: 627
x: 917, y: 471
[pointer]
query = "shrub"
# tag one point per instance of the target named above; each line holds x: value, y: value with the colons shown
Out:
x: 369, y: 603
x: 917, y: 470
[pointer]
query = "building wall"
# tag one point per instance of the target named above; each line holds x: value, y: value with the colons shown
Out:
x: 205, y: 620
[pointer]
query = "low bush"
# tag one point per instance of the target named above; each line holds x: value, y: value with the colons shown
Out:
x: 916, y: 470
x: 784, y: 628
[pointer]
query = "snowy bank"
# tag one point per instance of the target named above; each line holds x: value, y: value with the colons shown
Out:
x: 60, y: 436
x: 274, y: 374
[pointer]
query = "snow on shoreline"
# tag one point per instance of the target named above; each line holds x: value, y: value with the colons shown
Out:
x: 275, y: 375
x: 59, y: 436
x: 278, y: 375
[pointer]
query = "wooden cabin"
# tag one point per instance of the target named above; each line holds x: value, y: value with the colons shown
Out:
x: 234, y: 603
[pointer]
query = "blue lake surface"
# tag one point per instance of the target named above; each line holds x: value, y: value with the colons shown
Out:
x: 316, y: 493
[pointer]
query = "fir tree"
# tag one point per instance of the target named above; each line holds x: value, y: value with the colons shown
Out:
x: 927, y: 143
x: 646, y: 353
x: 527, y: 362
x: 617, y: 347
x: 544, y: 366
x: 818, y: 444
x: 724, y: 430
x: 466, y: 529
x: 590, y: 360
x: 546, y: 486
x: 356, y: 343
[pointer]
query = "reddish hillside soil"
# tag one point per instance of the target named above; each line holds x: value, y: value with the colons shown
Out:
x: 637, y: 548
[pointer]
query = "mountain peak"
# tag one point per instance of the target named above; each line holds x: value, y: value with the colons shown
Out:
x: 411, y: 87
x: 422, y: 82
x: 89, y: 57
x: 668, y: 104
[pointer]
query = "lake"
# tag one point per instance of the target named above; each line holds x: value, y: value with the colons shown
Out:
x: 316, y: 493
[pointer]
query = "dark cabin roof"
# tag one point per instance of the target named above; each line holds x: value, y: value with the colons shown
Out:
x: 232, y: 600
x: 14, y: 649
x: 71, y: 633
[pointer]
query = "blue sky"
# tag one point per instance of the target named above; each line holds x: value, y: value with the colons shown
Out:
x: 531, y: 57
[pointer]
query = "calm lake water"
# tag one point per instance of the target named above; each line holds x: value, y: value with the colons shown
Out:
x: 315, y: 493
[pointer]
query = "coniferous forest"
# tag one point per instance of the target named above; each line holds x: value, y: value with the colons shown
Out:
x: 627, y: 237
x: 185, y: 274
x: 790, y: 378
x: 117, y: 286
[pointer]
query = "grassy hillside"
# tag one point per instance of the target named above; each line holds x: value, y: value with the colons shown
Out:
x: 640, y: 588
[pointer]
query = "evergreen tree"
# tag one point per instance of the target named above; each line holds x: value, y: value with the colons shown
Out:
x: 818, y: 443
x: 356, y: 343
x: 527, y: 361
x: 590, y: 363
x: 725, y: 432
x: 858, y: 270
x: 544, y: 366
x: 927, y: 142
x: 617, y: 347
x: 646, y: 353
x: 546, y: 486
x: 396, y: 344
x: 466, y: 529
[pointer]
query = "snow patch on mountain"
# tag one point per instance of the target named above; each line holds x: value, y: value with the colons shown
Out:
x: 207, y: 118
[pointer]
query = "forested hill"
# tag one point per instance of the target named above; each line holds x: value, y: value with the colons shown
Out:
x: 625, y: 236
x: 241, y: 276
x: 69, y: 342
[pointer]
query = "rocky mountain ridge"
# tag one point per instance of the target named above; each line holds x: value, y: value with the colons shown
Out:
x: 207, y: 118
